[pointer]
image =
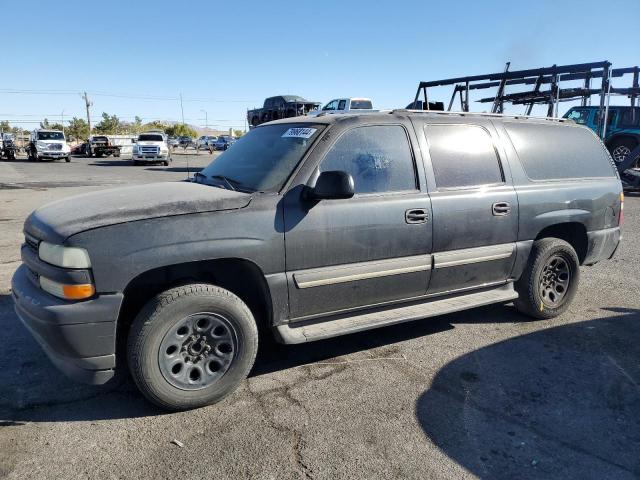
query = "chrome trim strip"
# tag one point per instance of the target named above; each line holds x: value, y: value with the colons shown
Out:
x: 352, y: 272
x: 466, y: 256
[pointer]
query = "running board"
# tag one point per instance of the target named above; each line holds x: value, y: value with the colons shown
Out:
x: 309, y: 332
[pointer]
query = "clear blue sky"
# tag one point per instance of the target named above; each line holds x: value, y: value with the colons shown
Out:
x: 225, y: 57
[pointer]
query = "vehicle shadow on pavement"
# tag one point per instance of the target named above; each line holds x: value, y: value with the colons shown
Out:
x: 176, y: 169
x: 562, y: 402
x: 33, y: 390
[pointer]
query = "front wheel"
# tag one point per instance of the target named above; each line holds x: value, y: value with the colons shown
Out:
x: 67, y: 159
x: 550, y: 280
x: 191, y: 346
x: 620, y: 148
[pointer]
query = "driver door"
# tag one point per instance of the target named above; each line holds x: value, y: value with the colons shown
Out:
x: 365, y: 250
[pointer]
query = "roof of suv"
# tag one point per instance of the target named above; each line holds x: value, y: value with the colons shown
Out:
x: 384, y: 116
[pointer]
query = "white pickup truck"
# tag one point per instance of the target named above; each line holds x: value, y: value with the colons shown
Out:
x: 151, y: 147
x: 346, y: 105
x: 49, y: 144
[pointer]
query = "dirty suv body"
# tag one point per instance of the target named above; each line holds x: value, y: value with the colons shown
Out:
x: 310, y: 228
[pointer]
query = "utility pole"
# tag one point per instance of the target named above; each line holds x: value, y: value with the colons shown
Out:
x: 87, y: 104
x: 181, y: 108
x: 62, y: 118
x: 206, y: 119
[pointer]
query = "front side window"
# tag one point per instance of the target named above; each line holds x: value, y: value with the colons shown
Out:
x: 263, y: 159
x: 330, y: 105
x: 378, y: 158
x: 342, y: 104
x: 462, y: 156
x: 579, y: 116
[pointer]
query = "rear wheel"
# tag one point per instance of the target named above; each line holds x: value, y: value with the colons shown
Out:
x: 191, y: 346
x: 550, y: 280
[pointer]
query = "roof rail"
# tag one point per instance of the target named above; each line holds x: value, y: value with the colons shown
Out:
x: 479, y: 114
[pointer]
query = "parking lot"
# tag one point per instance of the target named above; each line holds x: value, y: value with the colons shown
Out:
x: 485, y: 393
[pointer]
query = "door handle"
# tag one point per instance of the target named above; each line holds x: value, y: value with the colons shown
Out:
x: 500, y: 209
x: 416, y: 215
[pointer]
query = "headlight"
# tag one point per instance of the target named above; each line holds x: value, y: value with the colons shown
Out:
x: 41, y: 145
x: 67, y: 257
x: 66, y: 148
x: 68, y: 292
x: 135, y: 149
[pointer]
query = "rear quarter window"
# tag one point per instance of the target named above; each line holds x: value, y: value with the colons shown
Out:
x: 557, y: 152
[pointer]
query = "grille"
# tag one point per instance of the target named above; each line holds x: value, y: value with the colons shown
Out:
x: 55, y: 146
x: 150, y: 150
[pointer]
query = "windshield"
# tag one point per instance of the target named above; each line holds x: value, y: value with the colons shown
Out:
x: 150, y: 138
x: 50, y: 136
x: 263, y: 159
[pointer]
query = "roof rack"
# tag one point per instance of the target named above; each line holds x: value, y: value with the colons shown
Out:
x: 536, y: 78
x: 482, y: 114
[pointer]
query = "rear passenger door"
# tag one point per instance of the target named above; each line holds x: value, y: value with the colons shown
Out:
x: 475, y: 207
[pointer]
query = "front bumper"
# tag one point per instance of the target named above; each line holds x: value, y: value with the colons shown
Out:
x: 150, y: 158
x: 53, y: 154
x: 78, y: 337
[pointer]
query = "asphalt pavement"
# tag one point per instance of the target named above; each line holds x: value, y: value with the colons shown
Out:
x: 486, y: 393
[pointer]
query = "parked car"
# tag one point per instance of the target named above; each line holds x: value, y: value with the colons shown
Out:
x: 224, y: 142
x: 151, y: 147
x: 185, y: 142
x: 313, y: 228
x: 346, y: 105
x: 206, y: 142
x: 100, y: 146
x: 623, y: 127
x: 48, y: 144
x: 173, y: 142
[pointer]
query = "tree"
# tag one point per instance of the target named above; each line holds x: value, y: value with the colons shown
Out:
x: 5, y: 127
x: 238, y: 133
x: 110, y: 124
x: 77, y: 129
x: 180, y: 130
x: 155, y: 125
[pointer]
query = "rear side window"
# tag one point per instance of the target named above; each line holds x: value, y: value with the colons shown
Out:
x: 462, y: 156
x: 556, y: 152
x: 377, y: 157
x: 579, y: 116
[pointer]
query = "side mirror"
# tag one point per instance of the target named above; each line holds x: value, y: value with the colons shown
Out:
x: 332, y: 186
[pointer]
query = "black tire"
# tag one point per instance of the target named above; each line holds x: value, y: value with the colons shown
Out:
x: 165, y: 163
x: 98, y: 154
x: 621, y: 147
x: 67, y: 159
x: 540, y: 297
x: 116, y: 153
x: 162, y: 318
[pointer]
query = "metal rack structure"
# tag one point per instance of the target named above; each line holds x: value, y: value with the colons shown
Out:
x: 600, y: 73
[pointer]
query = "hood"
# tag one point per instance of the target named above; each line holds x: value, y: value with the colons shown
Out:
x: 56, y: 221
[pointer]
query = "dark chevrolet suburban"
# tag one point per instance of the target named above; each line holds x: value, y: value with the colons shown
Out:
x: 310, y: 228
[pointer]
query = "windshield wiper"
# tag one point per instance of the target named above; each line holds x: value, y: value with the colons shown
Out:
x: 226, y: 181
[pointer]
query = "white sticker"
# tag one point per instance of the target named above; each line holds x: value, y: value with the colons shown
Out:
x: 299, y: 132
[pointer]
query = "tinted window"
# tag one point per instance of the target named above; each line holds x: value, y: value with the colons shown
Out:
x: 462, y: 156
x: 557, y: 152
x: 630, y: 117
x: 331, y: 105
x: 264, y: 158
x: 361, y: 105
x: 377, y: 157
x: 342, y: 104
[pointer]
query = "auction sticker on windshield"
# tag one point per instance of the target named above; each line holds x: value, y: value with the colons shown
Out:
x: 300, y: 132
